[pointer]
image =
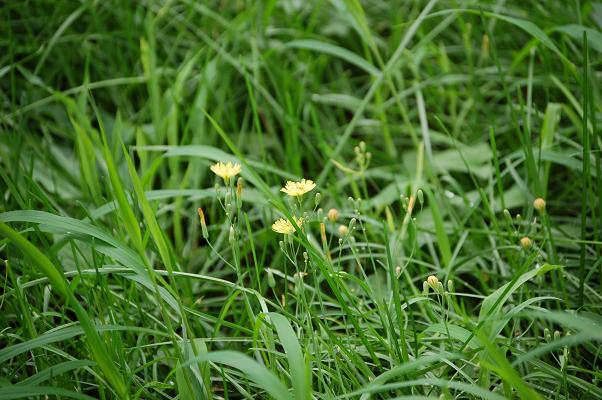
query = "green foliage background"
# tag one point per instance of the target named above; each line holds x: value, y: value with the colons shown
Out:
x: 430, y: 125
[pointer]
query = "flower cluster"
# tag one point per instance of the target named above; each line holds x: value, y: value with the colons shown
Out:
x: 228, y: 170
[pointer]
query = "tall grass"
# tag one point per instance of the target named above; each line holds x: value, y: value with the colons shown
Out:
x: 451, y: 246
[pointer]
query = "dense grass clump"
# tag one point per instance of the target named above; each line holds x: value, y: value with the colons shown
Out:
x: 300, y: 199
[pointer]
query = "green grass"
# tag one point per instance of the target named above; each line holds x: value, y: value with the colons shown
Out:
x: 430, y: 126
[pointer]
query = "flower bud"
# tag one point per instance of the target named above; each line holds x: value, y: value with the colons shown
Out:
x: 239, y: 193
x: 420, y: 195
x: 432, y: 282
x: 526, y: 243
x: 333, y: 215
x: 204, y: 231
x: 450, y: 286
x: 411, y: 204
x: 317, y: 198
x: 232, y: 235
x: 507, y: 216
x: 539, y: 204
x: 271, y: 280
x: 323, y: 233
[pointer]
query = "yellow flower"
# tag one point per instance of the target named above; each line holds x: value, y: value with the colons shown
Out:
x: 226, y: 170
x: 285, y: 226
x: 298, y: 188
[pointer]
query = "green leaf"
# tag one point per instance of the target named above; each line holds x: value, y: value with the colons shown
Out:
x: 594, y: 38
x: 300, y: 375
x: 492, y: 305
x: 336, y: 51
x: 20, y: 392
x: 442, y: 238
x: 254, y: 371
x: 95, y: 344
x: 54, y: 371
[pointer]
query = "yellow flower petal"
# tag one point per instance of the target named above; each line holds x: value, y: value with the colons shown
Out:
x: 285, y: 226
x: 226, y: 170
x: 298, y: 188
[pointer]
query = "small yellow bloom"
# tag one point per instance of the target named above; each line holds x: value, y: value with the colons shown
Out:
x: 343, y: 230
x: 285, y: 226
x: 226, y: 170
x: 298, y: 188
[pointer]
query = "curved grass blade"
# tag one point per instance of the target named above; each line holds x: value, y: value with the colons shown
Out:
x: 256, y: 372
x: 300, y: 374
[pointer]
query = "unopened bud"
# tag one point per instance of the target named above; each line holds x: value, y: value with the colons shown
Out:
x: 539, y: 204
x: 485, y: 45
x: 432, y: 281
x: 333, y: 215
x: 420, y: 195
x: 232, y: 235
x: 411, y: 204
x: 204, y: 231
x: 526, y: 243
x: 271, y: 280
x: 317, y: 198
x: 239, y: 183
x: 323, y: 233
